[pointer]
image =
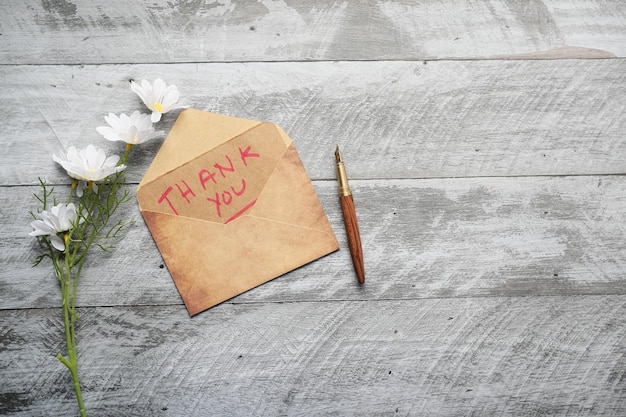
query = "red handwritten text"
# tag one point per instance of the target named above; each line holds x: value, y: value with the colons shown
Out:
x: 220, y: 181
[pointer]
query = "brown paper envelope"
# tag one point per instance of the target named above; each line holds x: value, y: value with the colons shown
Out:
x: 274, y: 225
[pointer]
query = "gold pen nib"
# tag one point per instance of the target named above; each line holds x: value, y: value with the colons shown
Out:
x: 338, y: 155
x: 344, y: 188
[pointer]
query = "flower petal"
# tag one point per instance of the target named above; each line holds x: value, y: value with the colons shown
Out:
x: 140, y: 91
x: 108, y: 133
x: 158, y: 90
x: 58, y: 243
x: 111, y: 161
x: 90, y: 164
x: 41, y: 228
x: 60, y: 218
x: 170, y: 99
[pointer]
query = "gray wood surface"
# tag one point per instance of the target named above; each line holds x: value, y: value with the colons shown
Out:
x: 148, y: 31
x: 446, y: 356
x: 441, y: 238
x: 485, y: 142
x: 392, y: 119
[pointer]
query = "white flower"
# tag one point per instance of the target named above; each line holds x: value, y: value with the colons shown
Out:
x: 60, y: 218
x: 158, y: 97
x: 134, y: 130
x: 89, y: 164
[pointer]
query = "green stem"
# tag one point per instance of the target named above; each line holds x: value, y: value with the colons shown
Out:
x: 74, y: 185
x: 68, y: 294
x: 91, y: 200
x: 129, y: 146
x: 95, y: 212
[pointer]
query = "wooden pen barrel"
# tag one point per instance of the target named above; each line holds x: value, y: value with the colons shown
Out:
x: 354, y: 239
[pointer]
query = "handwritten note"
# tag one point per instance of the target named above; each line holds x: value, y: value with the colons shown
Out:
x: 215, y: 185
x: 222, y: 184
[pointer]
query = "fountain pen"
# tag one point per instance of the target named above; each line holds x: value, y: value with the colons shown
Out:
x: 349, y: 217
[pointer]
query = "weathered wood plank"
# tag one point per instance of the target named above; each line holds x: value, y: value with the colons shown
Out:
x: 421, y: 239
x: 392, y: 119
x: 502, y: 294
x: 148, y: 31
x: 479, y: 356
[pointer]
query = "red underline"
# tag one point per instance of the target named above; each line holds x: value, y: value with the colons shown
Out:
x: 240, y: 212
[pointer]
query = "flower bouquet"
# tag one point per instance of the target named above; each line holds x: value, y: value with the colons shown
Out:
x: 66, y: 231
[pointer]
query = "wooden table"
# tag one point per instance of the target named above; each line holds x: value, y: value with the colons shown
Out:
x: 485, y: 143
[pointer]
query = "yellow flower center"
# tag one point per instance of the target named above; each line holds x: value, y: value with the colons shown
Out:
x: 158, y: 107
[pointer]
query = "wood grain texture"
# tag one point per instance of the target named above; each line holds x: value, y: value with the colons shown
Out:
x: 421, y: 239
x: 149, y: 31
x: 353, y: 236
x: 487, y: 162
x: 483, y: 356
x: 392, y: 119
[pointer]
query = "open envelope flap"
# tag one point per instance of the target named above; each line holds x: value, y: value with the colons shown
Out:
x: 221, y: 184
x: 194, y: 133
